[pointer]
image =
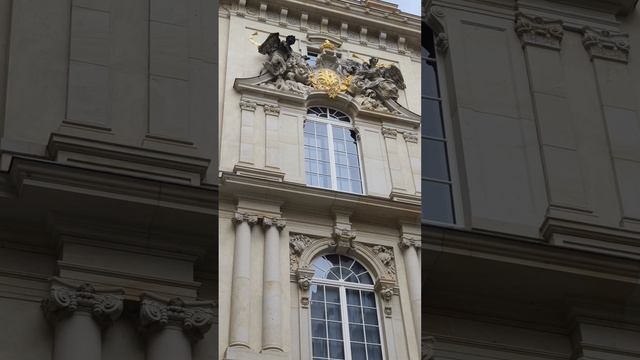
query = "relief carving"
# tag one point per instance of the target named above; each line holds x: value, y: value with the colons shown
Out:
x: 408, y: 241
x: 343, y: 239
x: 297, y: 244
x: 385, y: 254
x: 195, y: 318
x: 64, y: 300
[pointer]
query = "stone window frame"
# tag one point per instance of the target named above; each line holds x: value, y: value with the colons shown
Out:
x: 386, y: 287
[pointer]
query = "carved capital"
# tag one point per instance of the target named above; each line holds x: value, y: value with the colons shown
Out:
x: 389, y: 133
x: 343, y: 239
x: 407, y: 241
x: 297, y: 244
x: 304, y: 276
x: 271, y: 109
x: 195, y: 318
x: 248, y: 105
x: 268, y: 222
x: 606, y: 45
x: 534, y: 30
x: 65, y: 299
x: 239, y: 218
x: 410, y: 136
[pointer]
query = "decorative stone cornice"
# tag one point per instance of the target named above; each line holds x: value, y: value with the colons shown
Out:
x: 279, y: 223
x: 248, y: 105
x: 536, y: 31
x: 297, y: 244
x: 407, y: 241
x: 195, y: 317
x: 65, y: 299
x: 239, y: 218
x: 389, y: 133
x: 271, y: 109
x: 410, y: 136
x: 606, y: 45
x: 343, y: 239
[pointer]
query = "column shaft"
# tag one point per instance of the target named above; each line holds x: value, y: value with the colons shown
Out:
x: 77, y: 337
x: 271, y: 317
x: 240, y: 287
x: 414, y: 278
x: 169, y: 344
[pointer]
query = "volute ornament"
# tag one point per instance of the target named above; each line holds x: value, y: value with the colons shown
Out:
x: 534, y: 30
x: 606, y: 45
x: 64, y: 300
x: 195, y: 318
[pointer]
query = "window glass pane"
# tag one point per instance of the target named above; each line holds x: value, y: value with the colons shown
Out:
x: 335, y: 330
x: 318, y: 328
x: 430, y: 79
x: 320, y: 348
x: 428, y: 43
x: 317, y: 292
x: 333, y: 312
x: 434, y: 153
x: 374, y: 352
x: 355, y: 315
x: 353, y: 297
x: 370, y: 316
x: 358, y: 351
x: 373, y: 334
x: 432, y: 118
x: 317, y: 310
x: 368, y: 299
x: 365, y: 279
x: 336, y: 349
x: 356, y: 333
x: 437, y: 201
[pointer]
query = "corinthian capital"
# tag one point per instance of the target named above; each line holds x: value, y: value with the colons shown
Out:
x: 64, y: 299
x: 242, y: 217
x: 194, y: 317
x: 606, y: 45
x: 277, y: 222
x: 534, y: 30
x: 408, y: 241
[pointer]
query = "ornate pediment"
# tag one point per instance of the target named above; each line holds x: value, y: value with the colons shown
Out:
x: 367, y: 83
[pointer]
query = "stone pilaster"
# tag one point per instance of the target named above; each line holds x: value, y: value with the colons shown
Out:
x: 78, y: 314
x: 173, y: 325
x: 410, y: 245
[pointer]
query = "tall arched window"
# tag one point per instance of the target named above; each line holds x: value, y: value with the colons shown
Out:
x: 331, y: 157
x: 344, y: 316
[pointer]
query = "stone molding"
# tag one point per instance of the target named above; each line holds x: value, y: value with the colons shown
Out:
x: 536, y: 31
x: 606, y: 45
x: 407, y: 241
x: 195, y: 318
x: 64, y: 299
x: 239, y: 218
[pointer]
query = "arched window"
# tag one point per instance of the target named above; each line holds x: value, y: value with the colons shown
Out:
x: 331, y: 157
x: 344, y: 316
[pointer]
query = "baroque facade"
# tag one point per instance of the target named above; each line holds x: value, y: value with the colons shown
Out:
x: 532, y: 216
x: 108, y: 192
x: 319, y: 180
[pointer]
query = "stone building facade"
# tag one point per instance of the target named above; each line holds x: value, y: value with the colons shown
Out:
x: 319, y: 180
x: 108, y: 192
x: 530, y: 240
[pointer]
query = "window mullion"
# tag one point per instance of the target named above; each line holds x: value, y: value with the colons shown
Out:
x: 345, y: 323
x: 332, y: 157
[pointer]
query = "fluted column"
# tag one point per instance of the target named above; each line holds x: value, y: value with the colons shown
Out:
x: 78, y: 314
x: 271, y: 315
x: 411, y: 245
x: 240, y: 287
x: 173, y: 326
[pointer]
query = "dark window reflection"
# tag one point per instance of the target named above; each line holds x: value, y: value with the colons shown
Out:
x: 437, y: 196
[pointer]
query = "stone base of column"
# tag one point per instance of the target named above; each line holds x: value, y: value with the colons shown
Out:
x: 237, y: 353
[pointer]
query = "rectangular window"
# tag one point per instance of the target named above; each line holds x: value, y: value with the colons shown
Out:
x: 437, y: 189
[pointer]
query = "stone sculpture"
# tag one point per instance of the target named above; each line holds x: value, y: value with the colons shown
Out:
x: 369, y: 83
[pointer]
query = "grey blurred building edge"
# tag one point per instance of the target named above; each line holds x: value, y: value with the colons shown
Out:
x: 531, y: 180
x: 108, y: 168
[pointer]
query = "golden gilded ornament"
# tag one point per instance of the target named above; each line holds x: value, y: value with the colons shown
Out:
x: 327, y: 45
x: 329, y: 81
